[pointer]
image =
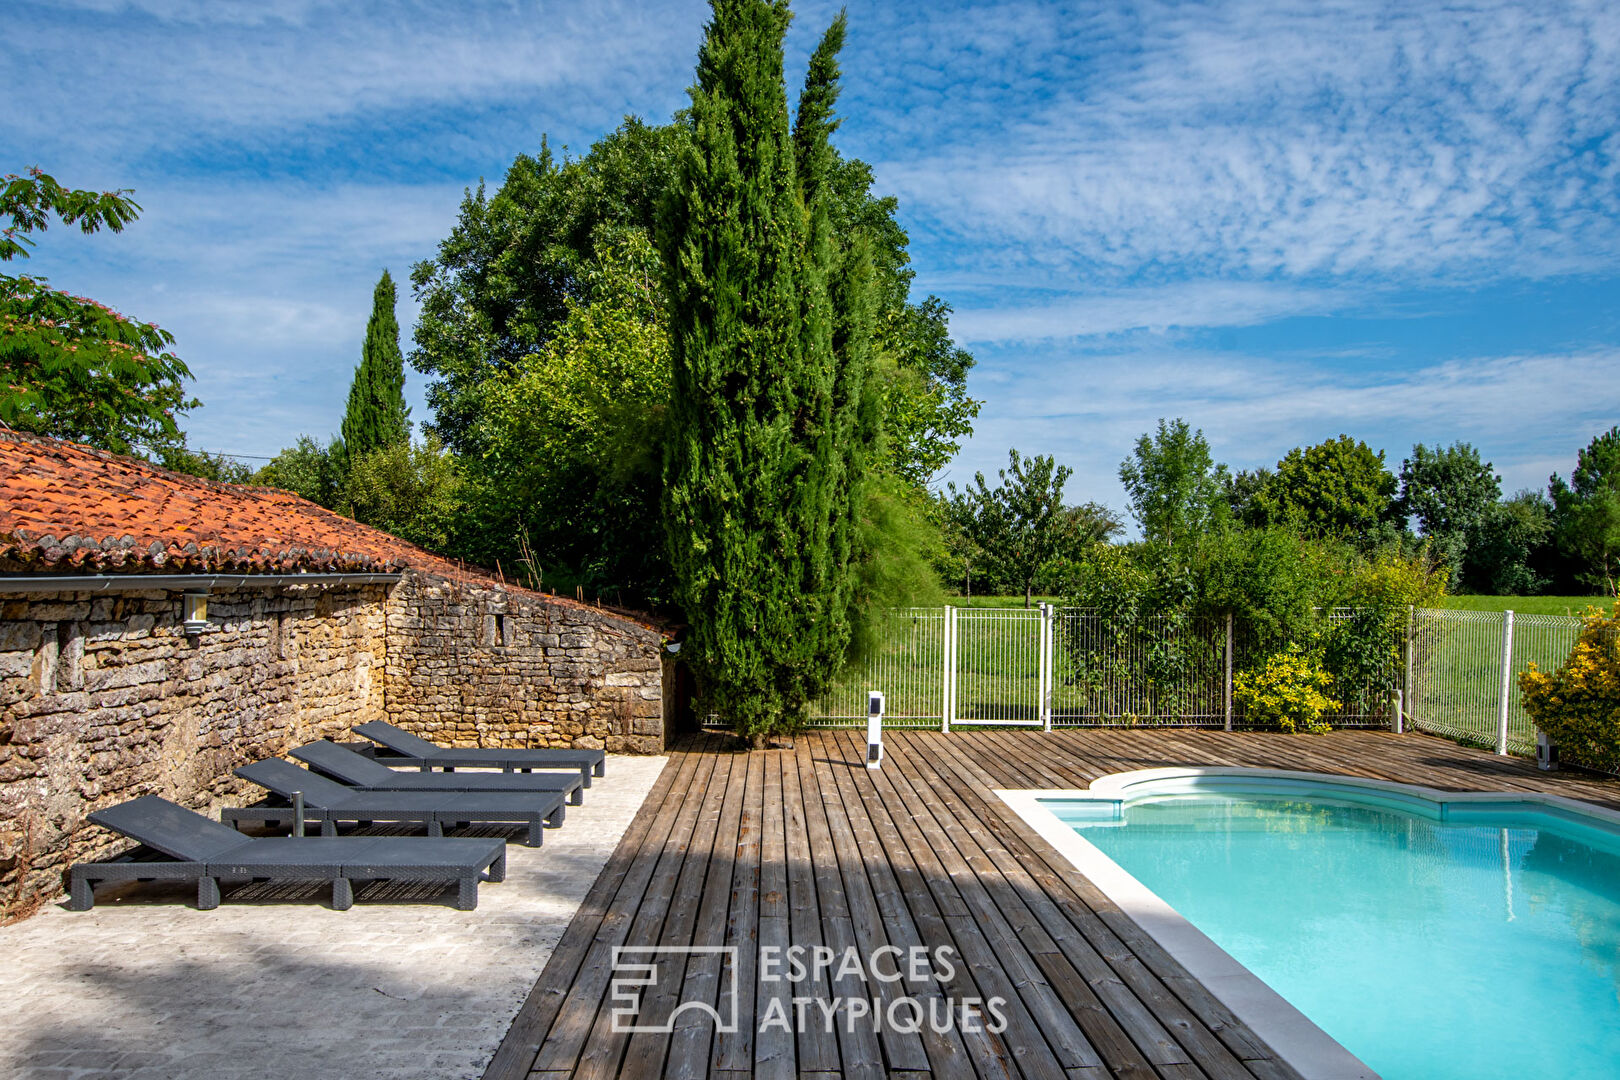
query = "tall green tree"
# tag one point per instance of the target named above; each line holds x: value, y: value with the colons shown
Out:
x: 71, y: 368
x: 1018, y: 527
x: 1451, y: 492
x: 1177, y: 490
x: 762, y: 474
x: 377, y: 416
x: 1509, y: 552
x: 1586, y: 510
x: 1338, y: 488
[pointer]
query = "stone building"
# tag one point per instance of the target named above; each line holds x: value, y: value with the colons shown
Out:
x: 158, y: 630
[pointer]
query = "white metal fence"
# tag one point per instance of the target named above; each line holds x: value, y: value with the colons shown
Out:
x: 1060, y: 667
x: 1462, y: 672
x: 1055, y: 667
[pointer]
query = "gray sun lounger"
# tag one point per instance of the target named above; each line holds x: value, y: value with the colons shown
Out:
x: 400, y: 747
x: 360, y: 771
x: 180, y: 845
x: 329, y: 802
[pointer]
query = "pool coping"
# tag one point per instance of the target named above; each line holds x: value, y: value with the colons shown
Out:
x: 1291, y: 1035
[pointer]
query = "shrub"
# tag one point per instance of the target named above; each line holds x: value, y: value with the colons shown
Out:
x: 1288, y: 690
x: 1578, y: 706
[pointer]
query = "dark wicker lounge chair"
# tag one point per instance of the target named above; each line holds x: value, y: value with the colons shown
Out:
x: 360, y: 771
x: 180, y: 845
x: 400, y: 747
x: 329, y: 802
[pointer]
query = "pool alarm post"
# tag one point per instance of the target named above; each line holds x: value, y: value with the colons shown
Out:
x: 874, y: 729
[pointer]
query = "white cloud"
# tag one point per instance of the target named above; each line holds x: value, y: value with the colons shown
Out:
x: 1299, y: 140
x: 1522, y: 411
x: 1197, y: 304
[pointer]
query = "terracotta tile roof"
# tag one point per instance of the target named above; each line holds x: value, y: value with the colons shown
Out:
x: 66, y: 508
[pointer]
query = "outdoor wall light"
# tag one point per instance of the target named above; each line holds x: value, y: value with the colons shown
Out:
x: 874, y: 729
x: 194, y: 612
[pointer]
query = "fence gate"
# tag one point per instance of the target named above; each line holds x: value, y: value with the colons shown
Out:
x: 998, y: 666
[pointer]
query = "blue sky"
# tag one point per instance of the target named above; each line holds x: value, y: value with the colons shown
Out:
x: 1280, y: 220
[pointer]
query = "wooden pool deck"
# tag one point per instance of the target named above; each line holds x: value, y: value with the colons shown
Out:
x: 806, y: 847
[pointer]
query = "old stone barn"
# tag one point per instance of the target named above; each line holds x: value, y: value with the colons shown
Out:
x: 158, y: 631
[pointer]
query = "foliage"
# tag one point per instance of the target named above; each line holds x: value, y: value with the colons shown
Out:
x: 521, y: 260
x: 1019, y: 526
x: 1283, y: 590
x: 377, y: 415
x: 71, y: 368
x: 1289, y: 690
x: 182, y: 459
x: 411, y: 491
x: 1338, y: 489
x: 1509, y: 551
x: 1586, y: 510
x: 1578, y: 706
x: 572, y: 435
x: 900, y: 544
x: 1451, y: 492
x: 1241, y: 488
x: 307, y: 469
x: 1177, y: 491
x: 769, y: 425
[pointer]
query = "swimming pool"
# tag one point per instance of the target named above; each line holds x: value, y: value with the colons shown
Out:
x: 1435, y: 936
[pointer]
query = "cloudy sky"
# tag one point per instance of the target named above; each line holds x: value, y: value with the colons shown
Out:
x: 1279, y: 220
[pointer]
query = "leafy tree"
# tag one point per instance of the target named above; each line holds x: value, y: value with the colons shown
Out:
x: 69, y: 367
x: 1241, y: 489
x: 307, y: 469
x: 411, y: 491
x: 377, y: 415
x: 1339, y: 488
x: 180, y: 458
x: 573, y: 433
x: 764, y: 460
x: 1586, y: 510
x: 1177, y: 491
x: 1017, y: 530
x: 501, y: 283
x: 1508, y: 552
x: 1451, y: 493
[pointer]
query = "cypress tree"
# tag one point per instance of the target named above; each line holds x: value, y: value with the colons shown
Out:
x: 761, y: 472
x: 377, y: 415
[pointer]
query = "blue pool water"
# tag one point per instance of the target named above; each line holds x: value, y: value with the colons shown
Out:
x: 1431, y: 950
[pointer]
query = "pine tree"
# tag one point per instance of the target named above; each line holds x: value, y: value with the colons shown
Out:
x: 377, y: 415
x: 768, y: 415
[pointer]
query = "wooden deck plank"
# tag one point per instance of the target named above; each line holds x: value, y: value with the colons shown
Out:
x: 656, y: 868
x: 805, y: 847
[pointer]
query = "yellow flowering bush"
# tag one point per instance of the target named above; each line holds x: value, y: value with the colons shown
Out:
x: 1289, y: 690
x: 1578, y: 706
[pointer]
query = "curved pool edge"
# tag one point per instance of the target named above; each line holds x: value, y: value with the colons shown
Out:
x: 1291, y: 1035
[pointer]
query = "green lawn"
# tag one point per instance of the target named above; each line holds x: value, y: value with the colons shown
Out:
x: 1528, y: 605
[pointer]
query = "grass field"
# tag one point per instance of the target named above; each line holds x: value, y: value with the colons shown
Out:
x: 1528, y: 605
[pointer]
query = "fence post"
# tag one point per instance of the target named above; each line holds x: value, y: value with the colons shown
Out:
x: 1406, y: 676
x: 1396, y: 722
x: 947, y: 653
x: 1227, y: 701
x: 1046, y: 667
x: 1506, y: 689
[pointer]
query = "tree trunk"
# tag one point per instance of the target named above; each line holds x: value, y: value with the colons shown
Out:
x: 1029, y: 591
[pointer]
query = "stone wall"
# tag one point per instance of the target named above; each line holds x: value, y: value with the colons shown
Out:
x: 473, y: 664
x: 104, y: 697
